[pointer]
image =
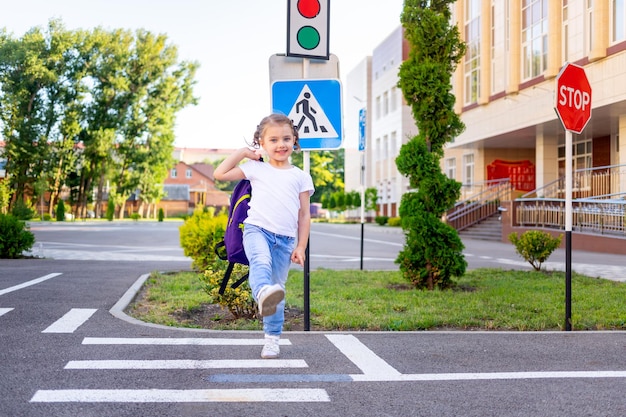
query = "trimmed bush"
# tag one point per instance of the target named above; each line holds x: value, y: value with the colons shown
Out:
x: 535, y: 246
x: 60, y: 211
x: 381, y: 220
x: 161, y: 214
x: 15, y: 237
x: 110, y: 213
x: 394, y: 221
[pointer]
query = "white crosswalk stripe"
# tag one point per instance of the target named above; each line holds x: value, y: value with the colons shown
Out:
x: 71, y: 321
x: 177, y: 396
x: 4, y: 311
x: 186, y: 364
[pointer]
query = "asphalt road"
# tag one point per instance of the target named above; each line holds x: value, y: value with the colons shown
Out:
x: 63, y: 352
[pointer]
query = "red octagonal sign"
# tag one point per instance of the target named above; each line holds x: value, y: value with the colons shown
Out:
x: 573, y: 98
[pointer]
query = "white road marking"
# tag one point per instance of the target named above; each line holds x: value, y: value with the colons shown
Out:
x: 4, y: 311
x: 185, y: 364
x: 29, y: 283
x: 382, y: 242
x: 489, y: 376
x: 71, y: 321
x: 198, y: 341
x: 177, y: 396
x: 367, y: 361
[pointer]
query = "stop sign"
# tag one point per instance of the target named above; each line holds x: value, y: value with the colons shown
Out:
x: 573, y: 97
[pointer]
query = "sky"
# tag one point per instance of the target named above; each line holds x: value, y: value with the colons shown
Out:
x: 232, y: 40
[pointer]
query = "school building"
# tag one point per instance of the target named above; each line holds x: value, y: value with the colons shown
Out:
x: 505, y: 93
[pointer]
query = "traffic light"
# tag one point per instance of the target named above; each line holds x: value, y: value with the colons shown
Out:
x: 308, y: 24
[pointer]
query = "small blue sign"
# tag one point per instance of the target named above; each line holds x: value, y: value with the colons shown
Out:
x: 314, y: 106
x: 362, y: 121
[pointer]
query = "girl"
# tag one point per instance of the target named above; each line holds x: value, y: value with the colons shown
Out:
x: 279, y: 219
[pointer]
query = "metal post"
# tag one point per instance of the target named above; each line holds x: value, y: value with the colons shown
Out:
x: 306, y: 158
x: 362, y: 205
x: 306, y: 162
x: 568, y: 230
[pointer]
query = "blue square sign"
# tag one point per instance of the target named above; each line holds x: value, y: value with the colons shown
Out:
x: 314, y: 106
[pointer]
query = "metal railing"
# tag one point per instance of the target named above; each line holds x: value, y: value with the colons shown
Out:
x: 586, y: 183
x: 480, y: 204
x: 605, y: 216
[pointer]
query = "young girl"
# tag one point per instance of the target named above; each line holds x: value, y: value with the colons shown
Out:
x: 279, y: 219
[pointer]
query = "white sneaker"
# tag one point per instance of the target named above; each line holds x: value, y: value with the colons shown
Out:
x: 268, y: 298
x: 271, y: 350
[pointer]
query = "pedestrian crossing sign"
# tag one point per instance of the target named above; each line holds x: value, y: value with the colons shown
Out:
x: 314, y: 106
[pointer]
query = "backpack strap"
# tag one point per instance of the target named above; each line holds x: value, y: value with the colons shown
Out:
x: 219, y: 252
x: 226, y: 278
x: 240, y: 280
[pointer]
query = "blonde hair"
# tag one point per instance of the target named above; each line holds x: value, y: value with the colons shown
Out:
x: 277, y: 119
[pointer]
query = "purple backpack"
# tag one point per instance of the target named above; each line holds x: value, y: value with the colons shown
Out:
x: 233, y: 235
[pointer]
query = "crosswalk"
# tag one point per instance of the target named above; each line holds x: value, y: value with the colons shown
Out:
x: 372, y: 368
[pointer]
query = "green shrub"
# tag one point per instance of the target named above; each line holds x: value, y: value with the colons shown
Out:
x: 23, y: 210
x: 199, y: 234
x: 60, y: 211
x: 239, y: 301
x: 381, y: 220
x: 110, y: 213
x: 535, y: 246
x: 161, y: 214
x: 135, y: 216
x: 15, y: 237
x: 394, y: 221
x: 46, y: 217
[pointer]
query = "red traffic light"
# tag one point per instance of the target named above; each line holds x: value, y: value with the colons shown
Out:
x: 309, y: 8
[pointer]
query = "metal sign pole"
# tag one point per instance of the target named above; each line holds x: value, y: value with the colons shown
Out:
x: 306, y: 161
x: 568, y: 230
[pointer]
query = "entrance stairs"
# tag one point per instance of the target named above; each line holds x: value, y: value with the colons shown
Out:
x: 488, y: 229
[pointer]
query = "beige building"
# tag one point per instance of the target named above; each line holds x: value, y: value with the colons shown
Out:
x: 505, y: 87
x: 505, y: 91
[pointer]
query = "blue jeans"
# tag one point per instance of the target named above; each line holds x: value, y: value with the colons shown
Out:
x: 269, y: 256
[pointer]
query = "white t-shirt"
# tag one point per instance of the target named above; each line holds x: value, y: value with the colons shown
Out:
x: 275, y: 200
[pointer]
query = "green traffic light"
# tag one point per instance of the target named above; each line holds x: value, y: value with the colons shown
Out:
x: 308, y: 37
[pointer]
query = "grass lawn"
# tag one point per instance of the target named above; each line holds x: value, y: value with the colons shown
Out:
x: 483, y: 299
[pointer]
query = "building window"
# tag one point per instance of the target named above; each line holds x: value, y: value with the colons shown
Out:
x: 590, y: 29
x: 188, y: 173
x: 565, y: 36
x: 385, y: 103
x: 472, y: 57
x: 581, y: 159
x: 618, y: 12
x: 173, y: 174
x: 385, y: 150
x: 394, y: 99
x: 468, y: 169
x: 377, y: 109
x: 534, y: 37
x: 450, y: 165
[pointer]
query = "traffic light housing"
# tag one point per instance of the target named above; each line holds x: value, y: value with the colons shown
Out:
x: 308, y: 24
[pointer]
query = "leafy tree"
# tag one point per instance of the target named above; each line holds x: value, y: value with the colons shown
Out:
x: 371, y: 199
x: 327, y: 171
x: 432, y: 254
x: 5, y: 196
